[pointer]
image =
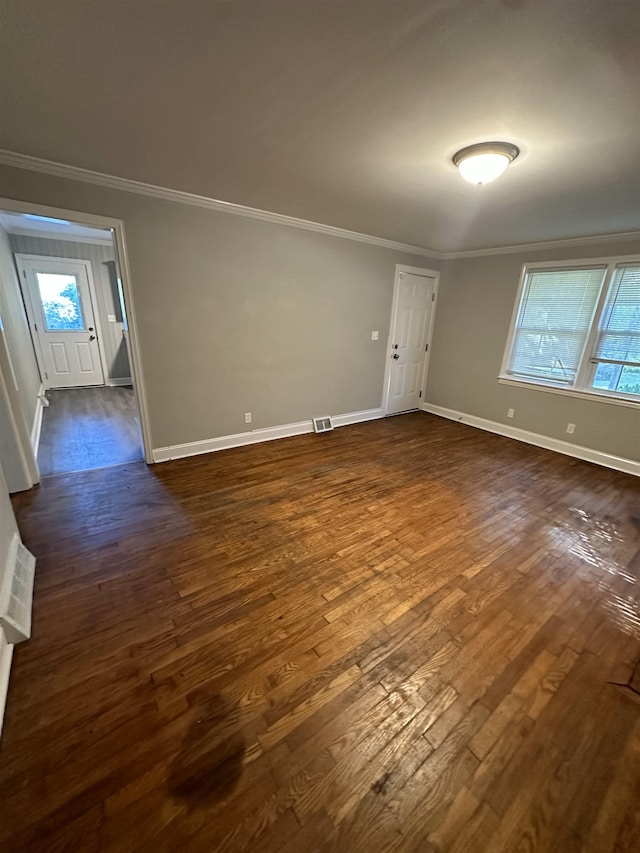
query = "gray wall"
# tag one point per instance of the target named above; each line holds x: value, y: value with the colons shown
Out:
x: 238, y: 315
x: 475, y: 305
x: 102, y: 260
x: 18, y: 338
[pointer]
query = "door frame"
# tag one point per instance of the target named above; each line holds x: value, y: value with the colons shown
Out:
x: 426, y: 273
x: 116, y: 226
x: 31, y: 314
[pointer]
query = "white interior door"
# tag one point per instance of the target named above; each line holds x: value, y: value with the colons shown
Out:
x: 62, y: 320
x: 409, y: 340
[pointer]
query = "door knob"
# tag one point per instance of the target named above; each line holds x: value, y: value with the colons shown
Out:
x: 395, y: 355
x: 92, y: 337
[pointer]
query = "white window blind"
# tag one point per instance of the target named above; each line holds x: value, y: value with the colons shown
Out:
x: 553, y: 323
x: 618, y: 340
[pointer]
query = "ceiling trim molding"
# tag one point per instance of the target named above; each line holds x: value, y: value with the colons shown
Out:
x: 542, y: 245
x: 75, y: 173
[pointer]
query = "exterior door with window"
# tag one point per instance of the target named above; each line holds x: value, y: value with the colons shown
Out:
x: 61, y: 316
x: 409, y: 339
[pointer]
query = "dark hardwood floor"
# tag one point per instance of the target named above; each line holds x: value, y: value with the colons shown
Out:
x: 85, y: 428
x: 399, y: 636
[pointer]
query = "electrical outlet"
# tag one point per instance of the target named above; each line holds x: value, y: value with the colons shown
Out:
x: 375, y: 336
x: 247, y: 417
x: 571, y: 428
x: 510, y: 413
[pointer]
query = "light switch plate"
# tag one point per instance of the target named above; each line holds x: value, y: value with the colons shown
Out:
x: 375, y: 336
x: 111, y: 318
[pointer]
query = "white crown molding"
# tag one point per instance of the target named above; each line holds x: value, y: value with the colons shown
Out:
x: 225, y: 442
x: 587, y: 454
x: 547, y: 244
x: 75, y: 173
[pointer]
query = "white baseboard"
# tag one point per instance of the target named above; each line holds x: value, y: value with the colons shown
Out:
x: 36, y: 427
x: 115, y: 383
x: 618, y: 463
x: 357, y: 417
x: 6, y: 653
x: 210, y: 445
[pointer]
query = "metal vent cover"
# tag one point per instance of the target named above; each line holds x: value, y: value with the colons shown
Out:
x: 323, y: 424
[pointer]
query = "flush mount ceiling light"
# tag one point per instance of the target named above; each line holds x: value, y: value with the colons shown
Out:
x: 485, y: 161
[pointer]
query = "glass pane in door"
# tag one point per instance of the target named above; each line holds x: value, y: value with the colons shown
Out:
x: 60, y: 302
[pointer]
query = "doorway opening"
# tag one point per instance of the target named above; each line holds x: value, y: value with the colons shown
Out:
x: 77, y: 336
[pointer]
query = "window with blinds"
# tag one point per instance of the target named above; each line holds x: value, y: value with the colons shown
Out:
x: 578, y: 327
x: 617, y: 350
x: 553, y: 323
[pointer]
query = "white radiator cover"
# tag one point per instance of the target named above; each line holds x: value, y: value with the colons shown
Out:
x: 16, y: 595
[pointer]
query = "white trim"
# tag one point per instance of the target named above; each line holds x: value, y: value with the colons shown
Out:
x: 357, y: 417
x: 74, y: 173
x: 116, y: 383
x: 21, y: 259
x: 255, y: 436
x: 617, y: 237
x: 570, y: 392
x: 6, y: 654
x: 36, y: 427
x: 119, y: 243
x: 133, y: 341
x: 607, y: 460
x: 56, y: 235
x: 435, y: 275
x: 28, y: 473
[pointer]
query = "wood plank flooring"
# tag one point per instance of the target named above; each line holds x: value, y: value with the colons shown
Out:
x: 399, y: 636
x: 85, y: 428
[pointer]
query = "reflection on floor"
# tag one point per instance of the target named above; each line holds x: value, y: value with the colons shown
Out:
x: 85, y: 428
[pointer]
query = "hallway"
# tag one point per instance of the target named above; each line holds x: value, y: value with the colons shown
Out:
x: 85, y: 428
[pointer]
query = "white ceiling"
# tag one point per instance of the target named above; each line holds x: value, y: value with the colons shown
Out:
x: 345, y: 112
x: 16, y: 223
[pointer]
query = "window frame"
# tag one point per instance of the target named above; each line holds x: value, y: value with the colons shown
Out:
x: 586, y: 366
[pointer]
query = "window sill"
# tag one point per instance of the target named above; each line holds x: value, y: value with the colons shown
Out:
x: 570, y: 392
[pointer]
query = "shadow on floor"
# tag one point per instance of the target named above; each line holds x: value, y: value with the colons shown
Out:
x: 210, y: 762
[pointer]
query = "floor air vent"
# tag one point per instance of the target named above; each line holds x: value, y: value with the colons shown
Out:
x: 322, y: 424
x: 17, y: 593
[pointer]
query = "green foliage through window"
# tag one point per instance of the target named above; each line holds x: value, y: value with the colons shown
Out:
x: 60, y: 302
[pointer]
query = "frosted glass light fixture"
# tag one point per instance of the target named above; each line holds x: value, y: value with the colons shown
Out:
x: 486, y: 161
